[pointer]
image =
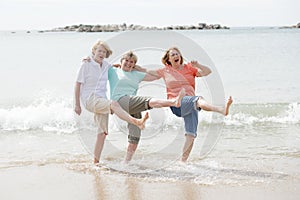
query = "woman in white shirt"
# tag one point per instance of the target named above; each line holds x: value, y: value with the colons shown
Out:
x: 90, y: 89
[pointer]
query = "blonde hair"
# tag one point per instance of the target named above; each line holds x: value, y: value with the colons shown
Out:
x: 166, y: 56
x: 129, y: 54
x: 103, y: 44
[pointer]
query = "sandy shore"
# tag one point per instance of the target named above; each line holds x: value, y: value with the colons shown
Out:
x: 60, y: 182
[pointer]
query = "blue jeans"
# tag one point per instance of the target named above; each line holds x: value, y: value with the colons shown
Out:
x: 189, y: 111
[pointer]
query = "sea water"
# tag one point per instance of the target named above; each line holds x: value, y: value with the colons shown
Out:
x: 259, y: 141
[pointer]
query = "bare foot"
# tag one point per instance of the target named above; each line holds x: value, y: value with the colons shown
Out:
x: 178, y: 99
x: 96, y: 161
x: 228, y: 104
x: 141, y: 122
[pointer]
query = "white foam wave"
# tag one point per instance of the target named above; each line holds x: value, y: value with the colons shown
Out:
x: 56, y: 114
x: 45, y: 113
x: 286, y: 114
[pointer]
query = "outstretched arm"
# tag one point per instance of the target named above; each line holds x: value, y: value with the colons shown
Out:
x: 202, y: 70
x: 139, y: 68
x: 151, y: 75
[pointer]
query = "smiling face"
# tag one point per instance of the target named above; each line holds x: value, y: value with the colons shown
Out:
x: 127, y: 63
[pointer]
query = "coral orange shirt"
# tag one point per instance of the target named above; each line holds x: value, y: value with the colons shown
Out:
x: 177, y: 79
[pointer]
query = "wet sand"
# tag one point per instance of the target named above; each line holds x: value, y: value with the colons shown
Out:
x: 61, y: 182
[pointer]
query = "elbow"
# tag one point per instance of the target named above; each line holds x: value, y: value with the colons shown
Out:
x: 206, y: 73
x: 157, y: 77
x: 209, y: 72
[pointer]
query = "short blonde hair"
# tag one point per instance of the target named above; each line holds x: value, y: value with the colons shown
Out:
x: 103, y: 44
x: 166, y: 56
x: 129, y: 54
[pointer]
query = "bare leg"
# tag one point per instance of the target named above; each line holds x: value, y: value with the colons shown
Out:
x: 117, y: 109
x: 99, y: 146
x: 224, y: 110
x: 188, y: 145
x: 140, y: 122
x: 130, y: 151
x: 227, y: 106
x: 158, y: 103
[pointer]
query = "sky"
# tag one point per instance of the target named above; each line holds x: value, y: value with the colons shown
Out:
x: 48, y: 14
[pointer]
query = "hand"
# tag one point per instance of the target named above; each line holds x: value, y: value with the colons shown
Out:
x: 202, y: 70
x: 77, y: 110
x: 117, y: 65
x: 195, y: 64
x: 86, y: 59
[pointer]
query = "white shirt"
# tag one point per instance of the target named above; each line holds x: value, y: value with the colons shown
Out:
x: 93, y: 79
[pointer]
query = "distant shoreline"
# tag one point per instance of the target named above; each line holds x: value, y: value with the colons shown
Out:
x: 125, y: 27
x: 131, y: 27
x: 293, y: 26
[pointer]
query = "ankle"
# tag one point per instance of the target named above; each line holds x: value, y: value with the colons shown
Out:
x: 96, y: 161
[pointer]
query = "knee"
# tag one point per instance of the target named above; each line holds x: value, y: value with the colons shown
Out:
x: 114, y: 105
x: 101, y: 135
x: 133, y: 140
x: 200, y: 100
x: 190, y: 137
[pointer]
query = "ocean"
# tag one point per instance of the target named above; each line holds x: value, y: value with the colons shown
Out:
x: 257, y: 143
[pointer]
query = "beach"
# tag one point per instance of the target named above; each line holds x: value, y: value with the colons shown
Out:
x: 253, y: 153
x: 55, y: 181
x: 64, y: 170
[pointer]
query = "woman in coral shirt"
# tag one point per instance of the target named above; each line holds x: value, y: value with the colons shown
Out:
x: 178, y: 75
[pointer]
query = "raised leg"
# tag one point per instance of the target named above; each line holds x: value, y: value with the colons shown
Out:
x: 158, y: 103
x: 224, y: 110
x: 117, y: 109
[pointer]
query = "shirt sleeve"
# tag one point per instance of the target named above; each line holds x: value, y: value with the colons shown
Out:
x: 81, y: 73
x: 160, y: 72
x: 112, y: 76
x: 140, y: 75
x: 192, y: 69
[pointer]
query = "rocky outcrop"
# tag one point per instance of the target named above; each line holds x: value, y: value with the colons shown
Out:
x: 293, y: 26
x: 125, y: 27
